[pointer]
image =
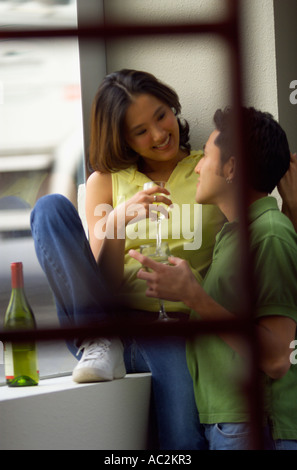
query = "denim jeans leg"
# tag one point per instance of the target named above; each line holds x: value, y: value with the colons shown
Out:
x: 228, y: 436
x: 177, y: 417
x: 285, y: 444
x: 65, y: 256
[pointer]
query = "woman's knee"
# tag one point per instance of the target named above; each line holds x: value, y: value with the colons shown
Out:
x: 49, y: 207
x: 50, y: 202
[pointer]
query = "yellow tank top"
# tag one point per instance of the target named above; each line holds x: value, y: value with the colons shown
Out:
x: 190, y: 230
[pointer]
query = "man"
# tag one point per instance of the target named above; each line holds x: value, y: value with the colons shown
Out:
x: 218, y: 363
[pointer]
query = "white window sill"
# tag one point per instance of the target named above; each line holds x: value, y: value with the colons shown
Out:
x: 57, y: 384
x: 59, y: 414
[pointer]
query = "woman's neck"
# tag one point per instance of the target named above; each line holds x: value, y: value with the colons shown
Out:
x: 158, y: 170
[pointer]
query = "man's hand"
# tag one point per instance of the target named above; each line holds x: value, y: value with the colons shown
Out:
x: 169, y: 282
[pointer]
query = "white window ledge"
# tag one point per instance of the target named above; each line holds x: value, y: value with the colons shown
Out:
x: 59, y: 414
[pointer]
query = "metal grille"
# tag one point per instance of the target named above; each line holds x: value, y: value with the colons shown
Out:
x: 228, y: 30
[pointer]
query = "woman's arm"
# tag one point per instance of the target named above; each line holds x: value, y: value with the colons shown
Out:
x: 108, y: 252
x: 107, y: 224
x: 98, y: 193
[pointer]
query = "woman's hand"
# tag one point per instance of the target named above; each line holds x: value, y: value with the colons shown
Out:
x: 144, y: 204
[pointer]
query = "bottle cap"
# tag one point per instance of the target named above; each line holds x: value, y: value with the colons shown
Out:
x: 17, y: 280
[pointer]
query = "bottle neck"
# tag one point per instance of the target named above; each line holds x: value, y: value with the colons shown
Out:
x: 17, y: 279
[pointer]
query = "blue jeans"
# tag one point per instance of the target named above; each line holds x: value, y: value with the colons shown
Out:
x: 78, y: 285
x: 228, y: 436
x: 282, y: 444
x: 237, y: 436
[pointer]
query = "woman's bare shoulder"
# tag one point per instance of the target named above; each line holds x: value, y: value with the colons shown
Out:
x: 99, y: 177
x: 99, y: 186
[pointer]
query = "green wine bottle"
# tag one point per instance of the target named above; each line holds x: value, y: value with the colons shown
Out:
x: 20, y: 358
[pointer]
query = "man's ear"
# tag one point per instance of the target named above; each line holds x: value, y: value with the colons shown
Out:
x: 230, y: 169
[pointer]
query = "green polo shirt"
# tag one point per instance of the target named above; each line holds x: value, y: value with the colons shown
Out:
x: 218, y: 372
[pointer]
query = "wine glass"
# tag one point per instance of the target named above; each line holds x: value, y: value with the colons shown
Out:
x: 160, y: 216
x: 161, y: 256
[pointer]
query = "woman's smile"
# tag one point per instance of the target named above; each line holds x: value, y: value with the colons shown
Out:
x: 151, y: 129
x: 164, y: 145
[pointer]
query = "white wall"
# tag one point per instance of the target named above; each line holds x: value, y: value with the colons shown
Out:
x: 197, y: 68
x: 92, y: 60
x: 259, y: 55
x: 286, y: 39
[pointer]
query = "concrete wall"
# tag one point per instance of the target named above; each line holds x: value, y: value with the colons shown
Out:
x: 258, y: 38
x: 92, y: 61
x: 197, y: 68
x: 286, y: 40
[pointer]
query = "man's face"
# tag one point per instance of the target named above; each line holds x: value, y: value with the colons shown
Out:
x: 211, y: 182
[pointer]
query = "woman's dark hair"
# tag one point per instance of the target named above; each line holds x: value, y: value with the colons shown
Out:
x: 108, y: 149
x: 266, y: 144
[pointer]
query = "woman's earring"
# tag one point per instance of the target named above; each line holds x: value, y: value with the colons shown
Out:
x: 229, y: 181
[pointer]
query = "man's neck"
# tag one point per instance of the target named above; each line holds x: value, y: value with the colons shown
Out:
x: 231, y: 205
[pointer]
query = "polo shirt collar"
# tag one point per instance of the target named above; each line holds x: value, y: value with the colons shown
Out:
x: 261, y: 206
x: 256, y: 209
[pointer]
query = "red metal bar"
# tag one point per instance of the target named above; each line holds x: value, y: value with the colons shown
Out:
x: 125, y: 329
x: 253, y: 387
x: 227, y: 29
x: 109, y: 31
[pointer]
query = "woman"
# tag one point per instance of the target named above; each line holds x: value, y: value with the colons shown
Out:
x: 136, y: 137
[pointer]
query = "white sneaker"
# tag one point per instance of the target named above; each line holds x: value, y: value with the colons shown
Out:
x: 102, y: 360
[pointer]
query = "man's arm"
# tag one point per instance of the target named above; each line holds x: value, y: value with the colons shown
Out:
x: 176, y: 282
x: 275, y: 334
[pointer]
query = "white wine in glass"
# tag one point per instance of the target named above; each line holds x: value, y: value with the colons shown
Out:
x: 160, y: 216
x: 161, y: 256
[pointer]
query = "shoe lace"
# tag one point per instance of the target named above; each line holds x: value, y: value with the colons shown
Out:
x: 95, y: 349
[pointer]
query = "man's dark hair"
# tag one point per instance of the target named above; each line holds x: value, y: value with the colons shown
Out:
x: 266, y: 144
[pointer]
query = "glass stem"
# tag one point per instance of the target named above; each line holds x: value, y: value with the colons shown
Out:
x: 159, y: 233
x: 162, y: 311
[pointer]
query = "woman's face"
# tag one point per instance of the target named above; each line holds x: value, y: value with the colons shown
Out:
x: 151, y: 129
